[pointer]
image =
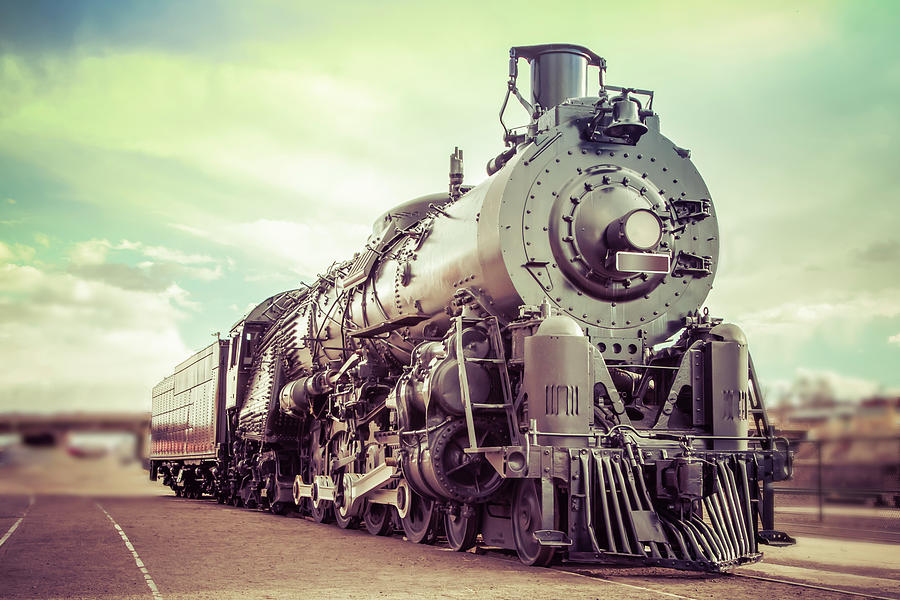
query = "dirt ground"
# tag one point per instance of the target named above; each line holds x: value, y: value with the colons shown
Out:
x: 75, y: 515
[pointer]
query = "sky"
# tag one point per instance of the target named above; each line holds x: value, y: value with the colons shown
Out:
x: 166, y: 165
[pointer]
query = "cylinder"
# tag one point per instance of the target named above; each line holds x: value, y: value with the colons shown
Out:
x: 557, y: 75
x: 559, y: 382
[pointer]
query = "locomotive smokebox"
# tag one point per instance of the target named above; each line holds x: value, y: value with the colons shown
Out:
x: 558, y: 71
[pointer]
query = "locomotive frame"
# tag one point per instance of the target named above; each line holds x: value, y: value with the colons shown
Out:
x: 524, y: 360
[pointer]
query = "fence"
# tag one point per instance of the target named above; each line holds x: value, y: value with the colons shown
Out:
x: 847, y: 486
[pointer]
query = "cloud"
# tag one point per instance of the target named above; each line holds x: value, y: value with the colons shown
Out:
x: 15, y: 252
x: 303, y: 249
x: 886, y: 251
x: 784, y: 328
x: 894, y: 339
x: 162, y: 253
x: 810, y: 384
x: 89, y: 260
x: 104, y: 345
x: 91, y: 252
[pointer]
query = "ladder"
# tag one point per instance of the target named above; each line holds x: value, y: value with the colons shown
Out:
x: 496, y: 357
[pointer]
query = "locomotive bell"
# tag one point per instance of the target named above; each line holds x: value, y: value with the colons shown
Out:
x: 626, y: 121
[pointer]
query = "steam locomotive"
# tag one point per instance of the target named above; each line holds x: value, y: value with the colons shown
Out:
x: 523, y: 362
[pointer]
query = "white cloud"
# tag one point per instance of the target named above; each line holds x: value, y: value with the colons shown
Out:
x: 808, y: 384
x: 304, y: 249
x: 15, y: 253
x: 846, y: 307
x: 92, y: 260
x: 894, y: 339
x: 104, y: 346
x: 161, y: 253
x: 307, y: 248
x: 783, y: 330
x: 91, y: 252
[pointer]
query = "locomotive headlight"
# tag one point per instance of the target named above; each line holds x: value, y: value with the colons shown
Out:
x: 640, y: 229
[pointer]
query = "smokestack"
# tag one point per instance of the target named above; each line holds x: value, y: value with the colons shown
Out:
x: 558, y: 71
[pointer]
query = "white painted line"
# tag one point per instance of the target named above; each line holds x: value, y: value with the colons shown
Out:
x: 137, y: 559
x: 15, y: 525
x: 628, y: 585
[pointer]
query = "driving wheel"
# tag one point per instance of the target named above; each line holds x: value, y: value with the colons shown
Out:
x: 378, y: 519
x: 420, y: 524
x: 460, y: 530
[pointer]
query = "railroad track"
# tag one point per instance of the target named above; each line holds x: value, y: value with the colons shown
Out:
x: 770, y: 580
x: 634, y: 581
x: 810, y: 586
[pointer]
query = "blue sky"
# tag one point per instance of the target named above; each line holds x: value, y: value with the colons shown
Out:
x: 164, y: 165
